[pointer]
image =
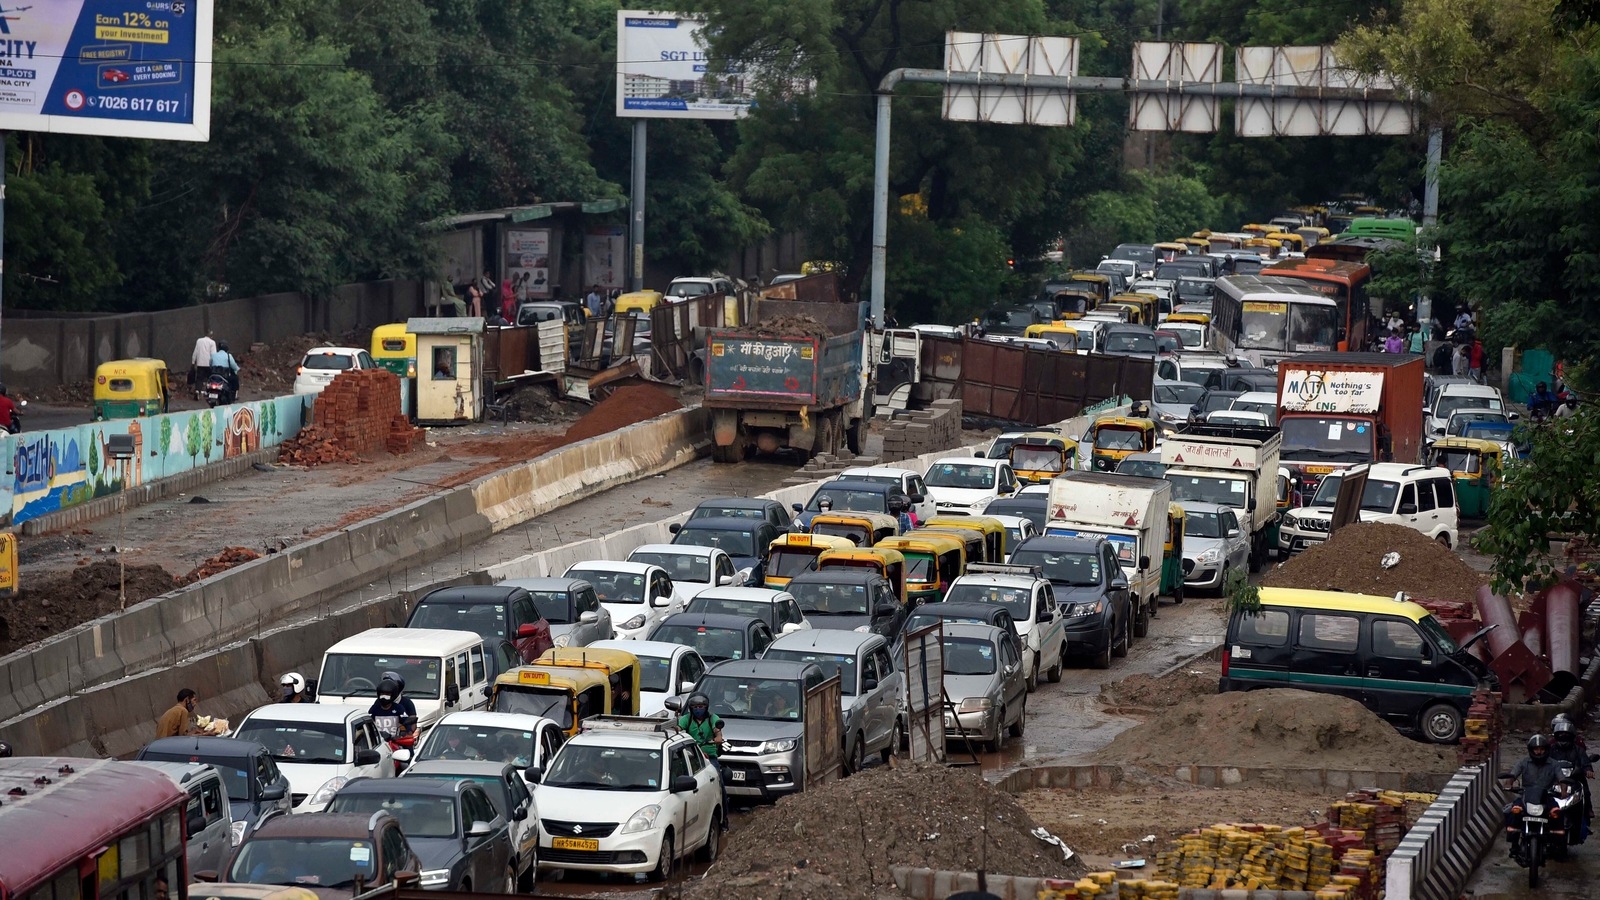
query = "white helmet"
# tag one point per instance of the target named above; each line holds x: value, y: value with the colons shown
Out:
x: 294, y: 683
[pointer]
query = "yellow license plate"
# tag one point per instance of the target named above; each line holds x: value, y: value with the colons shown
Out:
x: 590, y: 844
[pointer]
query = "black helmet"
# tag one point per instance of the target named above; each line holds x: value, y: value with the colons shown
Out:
x: 1563, y: 732
x: 5, y: 750
x: 1543, y: 386
x: 698, y: 699
x: 395, y: 677
x: 222, y: 345
x: 1538, y: 746
x: 389, y: 689
x: 2, y: 390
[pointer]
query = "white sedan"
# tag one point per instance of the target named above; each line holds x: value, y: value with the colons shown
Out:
x: 318, y: 747
x: 665, y: 670
x: 638, y: 595
x: 691, y: 568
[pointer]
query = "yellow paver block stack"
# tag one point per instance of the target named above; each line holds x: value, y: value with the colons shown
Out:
x: 1249, y: 857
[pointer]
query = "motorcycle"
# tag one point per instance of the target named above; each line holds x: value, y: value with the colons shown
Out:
x: 218, y: 391
x: 401, y: 746
x: 15, y: 425
x: 1543, y: 824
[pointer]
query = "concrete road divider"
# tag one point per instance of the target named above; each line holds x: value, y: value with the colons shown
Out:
x: 1438, y: 855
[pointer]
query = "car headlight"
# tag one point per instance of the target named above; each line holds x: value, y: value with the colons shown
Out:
x: 1290, y: 521
x: 783, y: 746
x: 435, y: 877
x: 563, y: 639
x: 236, y: 833
x: 643, y: 820
x: 322, y: 796
x: 1079, y: 610
x: 1210, y: 555
x: 635, y: 622
x: 977, y: 704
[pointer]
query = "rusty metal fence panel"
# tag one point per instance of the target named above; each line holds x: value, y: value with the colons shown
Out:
x: 1027, y: 385
x: 924, y: 686
x: 824, y: 754
x: 672, y: 330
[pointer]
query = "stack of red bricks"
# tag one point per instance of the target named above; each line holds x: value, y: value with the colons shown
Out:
x: 358, y: 408
x: 404, y: 437
x: 1483, y: 729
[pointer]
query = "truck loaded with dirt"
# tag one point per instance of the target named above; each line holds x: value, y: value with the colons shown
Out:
x: 1338, y: 410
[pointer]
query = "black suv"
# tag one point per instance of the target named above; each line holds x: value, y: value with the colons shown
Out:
x: 1090, y: 588
x: 496, y: 612
x: 462, y: 839
x: 257, y: 790
x: 744, y: 508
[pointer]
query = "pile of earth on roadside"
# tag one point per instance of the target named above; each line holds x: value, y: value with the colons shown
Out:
x: 52, y: 604
x: 1352, y: 561
x: 839, y: 841
x: 1275, y: 729
x: 1144, y: 693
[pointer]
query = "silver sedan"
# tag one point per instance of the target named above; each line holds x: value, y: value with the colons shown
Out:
x: 983, y: 680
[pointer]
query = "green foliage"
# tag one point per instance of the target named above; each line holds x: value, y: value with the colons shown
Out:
x: 1145, y: 207
x: 1560, y: 494
x: 193, y: 440
x: 94, y: 459
x: 1239, y: 595
x: 208, y: 431
x: 166, y: 435
x: 946, y: 274
x: 59, y: 253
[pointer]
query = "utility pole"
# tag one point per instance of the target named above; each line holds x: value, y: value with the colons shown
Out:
x: 636, y: 202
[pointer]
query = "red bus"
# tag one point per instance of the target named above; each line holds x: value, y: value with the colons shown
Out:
x: 1344, y: 281
x: 90, y: 829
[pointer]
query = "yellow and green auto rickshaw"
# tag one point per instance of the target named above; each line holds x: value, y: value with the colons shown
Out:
x: 932, y: 562
x: 1040, y: 456
x: 1201, y: 245
x: 130, y: 389
x: 1258, y: 229
x: 394, y: 348
x: 1172, y: 554
x: 863, y: 529
x: 1147, y: 305
x: 1292, y: 242
x: 1476, y: 466
x: 640, y: 302
x: 891, y: 564
x: 1064, y: 336
x: 1092, y: 282
x: 1115, y: 438
x: 795, y: 552
x: 620, y: 667
x: 992, y: 530
x: 564, y: 694
x: 1074, y: 303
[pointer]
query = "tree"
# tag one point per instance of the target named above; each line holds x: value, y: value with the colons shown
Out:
x: 94, y: 459
x: 193, y: 440
x: 166, y: 435
x: 1558, y: 494
x: 208, y: 430
x: 1143, y: 206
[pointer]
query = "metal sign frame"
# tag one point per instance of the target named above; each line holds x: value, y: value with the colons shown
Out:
x: 1010, y: 54
x: 1174, y: 63
x: 924, y: 694
x: 823, y: 751
x: 1327, y: 98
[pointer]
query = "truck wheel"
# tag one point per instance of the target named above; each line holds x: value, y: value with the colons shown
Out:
x: 1256, y: 553
x: 1141, y: 625
x: 852, y: 437
x: 728, y: 454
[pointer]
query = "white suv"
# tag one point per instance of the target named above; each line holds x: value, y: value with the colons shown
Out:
x: 321, y: 365
x: 690, y: 286
x: 1416, y: 497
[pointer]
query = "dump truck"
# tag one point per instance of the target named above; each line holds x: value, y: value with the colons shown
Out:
x: 795, y: 380
x: 1233, y: 465
x: 1337, y: 410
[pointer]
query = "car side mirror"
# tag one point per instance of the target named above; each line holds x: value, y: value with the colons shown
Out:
x: 724, y: 580
x: 452, y: 694
x: 1233, y: 532
x: 685, y: 687
x: 884, y: 610
x: 479, y: 829
x: 1251, y: 506
x: 1119, y: 582
x: 274, y: 792
x: 197, y: 824
x: 527, y: 630
x: 675, y: 528
x: 683, y: 784
x: 789, y: 628
x: 1144, y: 563
x: 520, y: 814
x: 402, y: 755
x: 368, y: 757
x: 673, y: 703
x: 533, y: 774
x: 1011, y: 670
x: 869, y: 684
x: 919, y: 498
x: 1408, y: 509
x: 588, y: 618
x: 797, y: 507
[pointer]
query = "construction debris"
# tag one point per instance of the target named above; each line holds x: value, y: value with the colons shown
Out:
x: 313, y: 446
x: 222, y: 562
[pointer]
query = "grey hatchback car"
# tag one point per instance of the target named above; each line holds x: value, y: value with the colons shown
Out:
x: 572, y: 608
x: 869, y: 686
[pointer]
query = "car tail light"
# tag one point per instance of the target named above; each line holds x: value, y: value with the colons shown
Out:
x: 1225, y: 662
x: 300, y: 370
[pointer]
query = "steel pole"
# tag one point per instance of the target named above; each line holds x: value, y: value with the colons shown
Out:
x: 880, y: 205
x: 1430, y: 193
x: 636, y: 202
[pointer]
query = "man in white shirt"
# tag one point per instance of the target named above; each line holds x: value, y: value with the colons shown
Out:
x: 200, y: 360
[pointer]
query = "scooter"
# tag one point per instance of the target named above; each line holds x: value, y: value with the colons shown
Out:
x: 218, y: 391
x: 401, y: 747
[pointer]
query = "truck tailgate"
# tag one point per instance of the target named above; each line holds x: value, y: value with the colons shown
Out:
x: 774, y: 370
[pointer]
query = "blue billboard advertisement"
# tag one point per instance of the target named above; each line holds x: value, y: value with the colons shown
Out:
x: 663, y: 71
x: 117, y: 68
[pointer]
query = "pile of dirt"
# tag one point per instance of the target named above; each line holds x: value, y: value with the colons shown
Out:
x: 539, y: 403
x: 1140, y: 693
x: 839, y: 841
x: 271, y: 368
x: 1351, y: 561
x: 788, y: 326
x: 626, y: 406
x: 1276, y: 729
x: 54, y: 603
x: 222, y: 562
x: 313, y: 446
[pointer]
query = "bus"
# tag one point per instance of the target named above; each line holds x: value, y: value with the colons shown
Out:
x: 1264, y: 320
x: 1345, y: 282
x: 1351, y: 248
x: 1399, y: 229
x: 90, y: 829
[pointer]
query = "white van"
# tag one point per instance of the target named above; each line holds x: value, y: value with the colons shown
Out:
x: 1416, y: 497
x: 208, y: 822
x: 443, y: 670
x: 1461, y: 396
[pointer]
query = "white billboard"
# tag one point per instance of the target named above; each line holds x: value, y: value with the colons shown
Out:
x: 663, y: 71
x: 1330, y: 391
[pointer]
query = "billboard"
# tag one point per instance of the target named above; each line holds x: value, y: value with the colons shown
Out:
x: 662, y: 71
x: 528, y: 263
x: 115, y: 68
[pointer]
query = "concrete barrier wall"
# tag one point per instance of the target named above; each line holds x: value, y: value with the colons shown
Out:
x: 1437, y: 856
x: 1333, y: 781
x: 250, y: 599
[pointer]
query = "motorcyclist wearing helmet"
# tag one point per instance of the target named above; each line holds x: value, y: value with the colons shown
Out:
x: 1566, y: 746
x: 225, y: 364
x: 1542, y: 403
x: 706, y: 728
x: 1535, y: 775
x: 295, y: 689
x: 393, y: 712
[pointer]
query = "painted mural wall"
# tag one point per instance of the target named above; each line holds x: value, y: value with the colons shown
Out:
x: 54, y: 470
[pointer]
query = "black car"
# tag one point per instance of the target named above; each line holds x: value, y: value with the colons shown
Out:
x: 498, y: 612
x: 746, y: 540
x: 1211, y: 401
x: 1010, y: 321
x: 1128, y: 340
x: 1090, y: 589
x: 257, y: 790
x: 848, y: 495
x: 462, y: 839
x: 1243, y: 380
x: 846, y: 599
x: 1142, y: 255
x: 715, y: 636
x: 323, y: 853
x: 1187, y: 266
x: 770, y: 511
x: 1033, y: 507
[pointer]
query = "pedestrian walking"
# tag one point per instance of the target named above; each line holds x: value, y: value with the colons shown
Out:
x: 1415, y: 342
x: 1475, y: 361
x: 595, y: 301
x: 508, y: 301
x: 1393, y: 344
x: 475, y: 300
x: 1458, y: 361
x: 200, y: 360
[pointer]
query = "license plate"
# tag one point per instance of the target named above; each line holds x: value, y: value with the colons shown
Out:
x: 1534, y: 819
x: 590, y: 844
x: 736, y: 775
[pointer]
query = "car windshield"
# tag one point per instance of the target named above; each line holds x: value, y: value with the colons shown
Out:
x: 1130, y: 342
x: 555, y: 606
x: 612, y: 587
x: 1331, y: 439
x: 485, y: 619
x: 1379, y: 496
x: 704, y: 511
x: 1441, y: 638
x: 713, y: 644
x: 1248, y: 265
x: 821, y: 599
x: 1015, y: 599
x: 734, y: 543
x: 855, y: 534
x: 421, y: 815
x: 845, y: 499
x: 755, y: 609
x: 1195, y: 374
x: 1135, y: 252
x: 297, y: 742
x: 1327, y: 492
x: 1457, y: 460
x: 1190, y: 336
x: 478, y: 742
x: 789, y: 563
x: 1076, y: 569
x: 1462, y: 421
x: 1207, y: 489
x: 961, y: 475
x: 770, y: 699
x: 1494, y: 431
x: 655, y: 673
x: 591, y: 767
x: 316, y: 360
x: 1263, y: 326
x: 1179, y: 393
x: 968, y: 656
x: 499, y: 792
x: 1193, y: 289
x: 304, y: 862
x: 1450, y: 403
x: 1202, y: 524
x: 689, y: 289
x: 1011, y: 318
x: 555, y: 705
x: 1108, y: 437
x: 358, y: 674
x: 841, y: 663
x: 681, y: 566
x: 1313, y: 327
x: 234, y: 779
x: 1270, y: 410
x: 923, y: 620
x: 1036, y: 459
x: 1144, y: 468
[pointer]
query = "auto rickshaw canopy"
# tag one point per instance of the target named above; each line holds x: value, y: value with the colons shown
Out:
x: 992, y: 530
x: 891, y: 564
x: 130, y: 388
x: 564, y: 694
x: 863, y: 529
x: 932, y: 561
x: 394, y: 348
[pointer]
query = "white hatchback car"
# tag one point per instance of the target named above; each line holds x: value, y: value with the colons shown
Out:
x: 318, y: 747
x: 321, y: 365
x: 638, y: 595
x: 964, y: 485
x: 629, y: 796
x: 691, y: 568
x: 665, y: 670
